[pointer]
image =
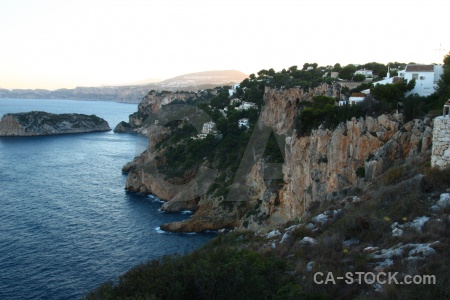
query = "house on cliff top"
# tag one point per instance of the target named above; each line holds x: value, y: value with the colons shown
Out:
x: 426, y: 76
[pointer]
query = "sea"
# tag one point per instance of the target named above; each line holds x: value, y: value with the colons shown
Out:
x: 66, y: 222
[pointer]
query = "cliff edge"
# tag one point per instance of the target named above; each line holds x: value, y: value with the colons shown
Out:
x: 326, y: 164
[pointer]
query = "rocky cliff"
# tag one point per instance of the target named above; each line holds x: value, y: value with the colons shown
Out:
x: 323, y: 165
x: 150, y: 104
x: 42, y: 123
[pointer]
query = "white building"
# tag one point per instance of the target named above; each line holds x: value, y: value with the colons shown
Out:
x: 244, y: 122
x: 209, y: 127
x: 356, y: 98
x: 426, y: 76
x: 233, y: 89
x: 246, y: 106
x: 367, y: 73
x: 235, y: 100
x: 389, y: 80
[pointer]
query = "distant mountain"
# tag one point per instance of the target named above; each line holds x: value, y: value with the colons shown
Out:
x: 225, y: 77
x: 133, y: 93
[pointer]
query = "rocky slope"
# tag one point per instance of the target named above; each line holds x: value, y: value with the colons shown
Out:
x: 327, y: 164
x: 42, y: 123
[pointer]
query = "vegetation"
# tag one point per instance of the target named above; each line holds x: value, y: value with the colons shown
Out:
x: 322, y: 111
x: 442, y: 93
x: 390, y: 94
x: 347, y: 72
x: 359, y: 77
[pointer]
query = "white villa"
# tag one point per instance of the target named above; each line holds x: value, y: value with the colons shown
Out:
x: 209, y: 127
x: 426, y: 76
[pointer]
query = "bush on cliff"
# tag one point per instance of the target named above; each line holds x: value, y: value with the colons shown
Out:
x: 209, y: 273
x: 322, y: 111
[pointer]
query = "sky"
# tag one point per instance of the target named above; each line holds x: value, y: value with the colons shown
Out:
x: 53, y: 44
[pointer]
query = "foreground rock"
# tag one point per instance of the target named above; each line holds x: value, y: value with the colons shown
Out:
x: 42, y: 123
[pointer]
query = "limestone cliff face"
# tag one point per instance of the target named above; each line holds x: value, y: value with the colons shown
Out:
x: 280, y: 106
x: 327, y: 164
x: 42, y: 123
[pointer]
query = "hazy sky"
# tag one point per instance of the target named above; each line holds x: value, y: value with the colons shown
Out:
x: 53, y: 44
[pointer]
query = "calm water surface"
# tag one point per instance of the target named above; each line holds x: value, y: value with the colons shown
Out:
x: 66, y: 222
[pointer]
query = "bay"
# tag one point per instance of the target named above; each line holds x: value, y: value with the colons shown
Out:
x: 66, y: 222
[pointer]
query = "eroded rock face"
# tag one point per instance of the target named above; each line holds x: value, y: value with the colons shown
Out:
x: 150, y: 104
x: 280, y: 106
x: 41, y: 123
x: 324, y: 165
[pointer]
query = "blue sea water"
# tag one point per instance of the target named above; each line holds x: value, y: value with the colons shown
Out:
x: 66, y: 222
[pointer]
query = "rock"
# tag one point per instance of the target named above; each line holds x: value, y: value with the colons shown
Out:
x: 178, y: 206
x: 310, y: 226
x: 397, y: 232
x: 286, y: 235
x: 123, y: 127
x: 309, y: 266
x: 418, y: 223
x: 273, y: 234
x: 444, y: 201
x: 37, y: 123
x: 293, y: 227
x: 389, y: 253
x: 435, y: 209
x: 308, y: 241
x: 320, y: 219
x: 350, y: 242
x: 370, y: 249
x: 397, y: 229
x: 422, y: 250
x: 378, y: 288
x: 337, y: 213
x: 381, y: 266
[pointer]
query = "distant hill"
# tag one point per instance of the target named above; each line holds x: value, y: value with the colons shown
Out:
x: 225, y: 77
x: 133, y: 93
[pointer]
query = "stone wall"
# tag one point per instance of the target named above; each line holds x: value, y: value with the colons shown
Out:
x: 440, y: 156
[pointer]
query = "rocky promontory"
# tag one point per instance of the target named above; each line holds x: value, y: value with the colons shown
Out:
x: 42, y: 123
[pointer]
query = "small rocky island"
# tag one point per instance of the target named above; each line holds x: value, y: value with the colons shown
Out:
x: 42, y: 123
